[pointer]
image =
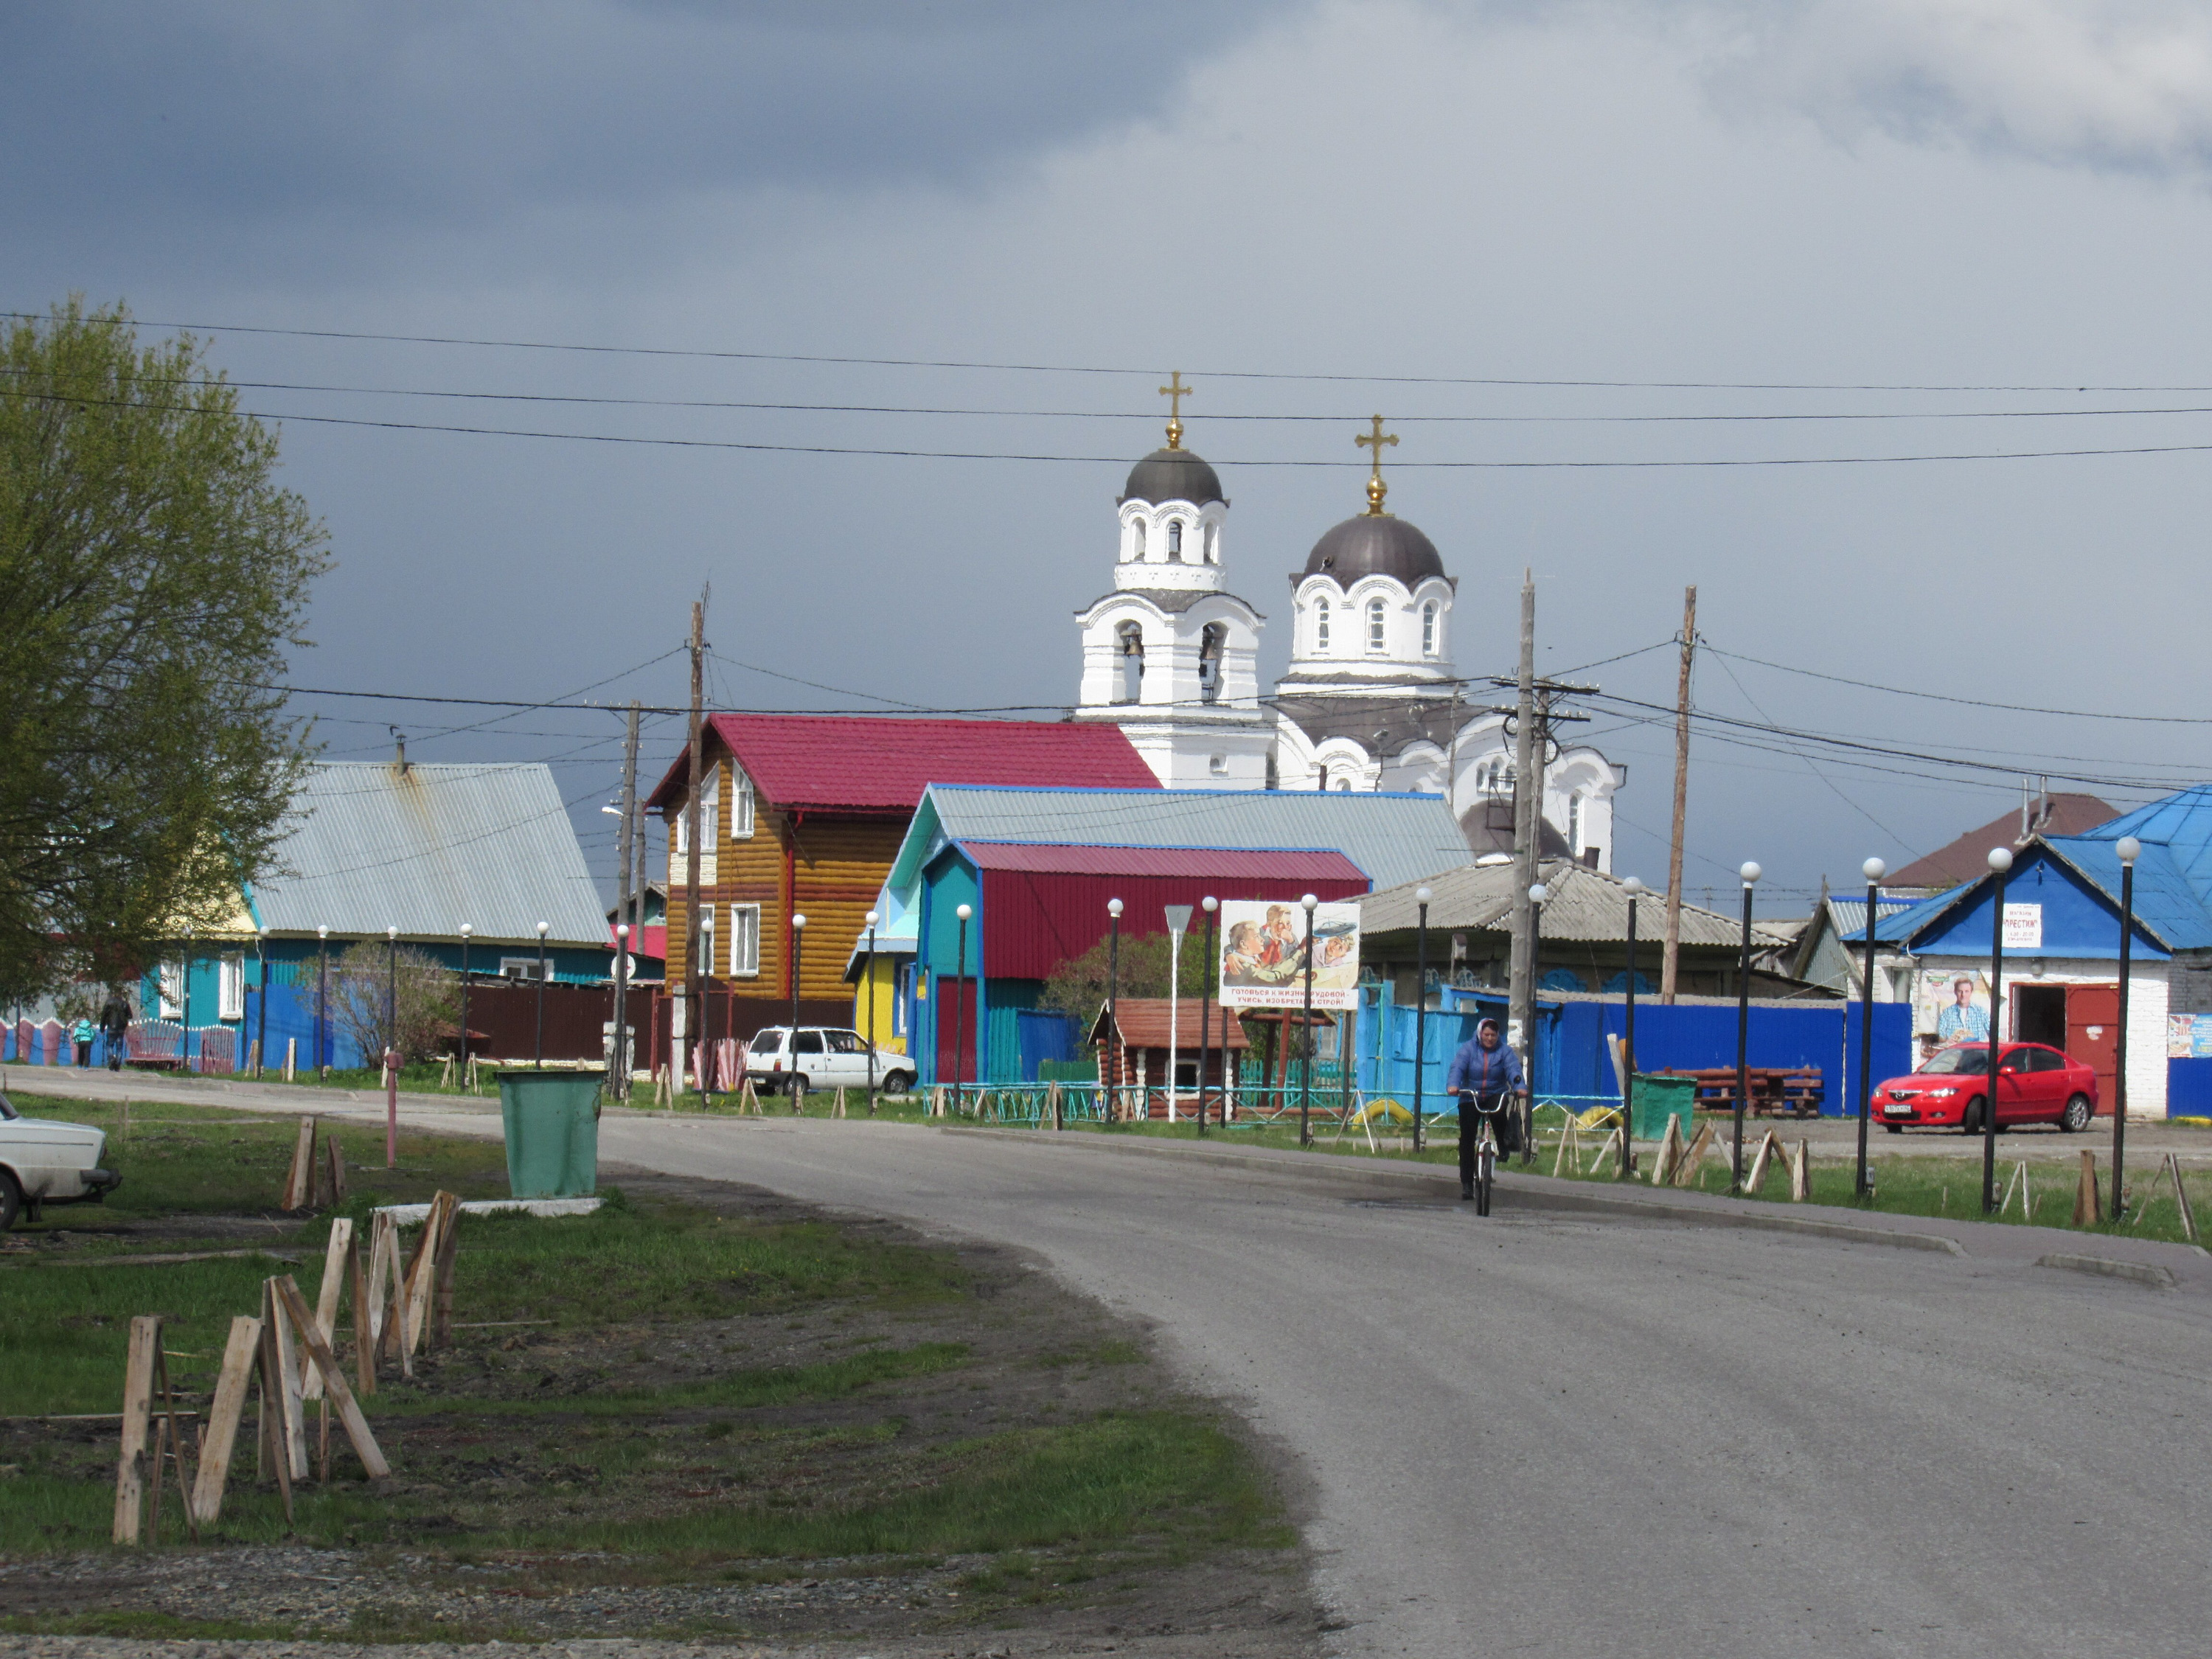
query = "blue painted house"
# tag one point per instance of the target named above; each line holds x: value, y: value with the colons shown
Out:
x: 424, y: 849
x: 2062, y: 955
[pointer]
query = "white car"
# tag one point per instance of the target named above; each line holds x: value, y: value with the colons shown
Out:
x: 45, y: 1162
x: 823, y: 1057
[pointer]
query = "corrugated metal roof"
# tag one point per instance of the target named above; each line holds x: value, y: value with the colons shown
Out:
x: 864, y: 762
x: 1198, y: 863
x: 1849, y: 915
x: 429, y: 848
x: 1583, y: 905
x: 1392, y: 838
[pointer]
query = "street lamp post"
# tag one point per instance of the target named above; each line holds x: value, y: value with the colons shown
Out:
x: 322, y: 999
x: 2001, y: 864
x: 1873, y: 870
x: 1305, y: 1070
x: 960, y: 1018
x: 619, y: 1056
x: 1635, y: 889
x: 1538, y: 894
x: 868, y: 979
x: 184, y: 1017
x: 1211, y: 905
x: 261, y: 1008
x: 467, y: 933
x: 543, y: 929
x: 1114, y: 1000
x: 1750, y: 873
x: 1422, y: 897
x: 797, y: 961
x: 2130, y: 850
x: 1178, y: 919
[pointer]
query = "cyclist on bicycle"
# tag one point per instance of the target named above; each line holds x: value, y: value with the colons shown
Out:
x: 1487, y: 1076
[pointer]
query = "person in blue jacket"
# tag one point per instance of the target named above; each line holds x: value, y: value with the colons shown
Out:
x: 1485, y: 1073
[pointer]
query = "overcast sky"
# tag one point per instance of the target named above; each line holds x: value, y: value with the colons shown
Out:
x: 2007, y: 198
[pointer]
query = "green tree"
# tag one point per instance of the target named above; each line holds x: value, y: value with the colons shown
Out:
x: 1078, y: 985
x: 153, y: 575
x: 372, y: 980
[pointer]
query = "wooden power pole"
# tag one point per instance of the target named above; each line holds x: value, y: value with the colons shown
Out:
x: 622, y: 1065
x: 1672, y: 953
x: 691, y: 982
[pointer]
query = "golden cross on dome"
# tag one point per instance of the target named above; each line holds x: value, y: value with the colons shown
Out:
x: 1377, y: 490
x: 1175, y: 392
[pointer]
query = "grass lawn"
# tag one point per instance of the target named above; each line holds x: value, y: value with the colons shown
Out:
x: 693, y: 1386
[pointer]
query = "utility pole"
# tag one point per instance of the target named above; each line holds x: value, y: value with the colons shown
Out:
x: 1527, y: 795
x: 1673, y: 949
x: 692, y: 981
x: 623, y: 945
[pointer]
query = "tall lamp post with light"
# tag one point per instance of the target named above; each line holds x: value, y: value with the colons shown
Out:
x: 322, y: 999
x: 1873, y: 870
x: 1112, y: 1001
x: 2129, y: 849
x: 1178, y: 919
x: 185, y: 1010
x: 797, y: 961
x: 1211, y: 905
x: 1422, y: 897
x: 544, y: 927
x: 1750, y: 873
x: 1538, y: 893
x: 1305, y: 1070
x: 391, y: 1048
x: 261, y: 1006
x: 1635, y: 889
x: 868, y: 979
x: 468, y: 932
x: 2001, y: 865
x: 618, y: 1056
x: 964, y: 912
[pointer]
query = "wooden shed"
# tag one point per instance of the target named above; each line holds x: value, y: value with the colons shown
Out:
x: 1132, y: 1041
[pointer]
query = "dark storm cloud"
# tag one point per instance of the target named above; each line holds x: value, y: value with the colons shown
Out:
x: 126, y: 119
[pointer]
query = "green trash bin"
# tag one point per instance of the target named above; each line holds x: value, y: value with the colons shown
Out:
x: 1658, y: 1098
x: 552, y: 1121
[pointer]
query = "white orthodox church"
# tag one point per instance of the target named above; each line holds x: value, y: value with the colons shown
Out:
x: 1371, y: 700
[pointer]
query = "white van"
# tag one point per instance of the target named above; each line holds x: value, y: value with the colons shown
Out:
x: 823, y: 1057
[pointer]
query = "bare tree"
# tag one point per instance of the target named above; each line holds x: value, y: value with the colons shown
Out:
x: 404, y: 999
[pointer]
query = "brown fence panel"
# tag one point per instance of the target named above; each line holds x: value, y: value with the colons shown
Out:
x: 503, y: 1018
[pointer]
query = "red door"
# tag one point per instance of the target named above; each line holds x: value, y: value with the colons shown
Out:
x: 955, y: 1047
x: 2093, y: 1027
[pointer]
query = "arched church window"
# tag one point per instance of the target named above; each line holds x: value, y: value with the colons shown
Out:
x: 1343, y: 780
x: 1429, y: 629
x: 1140, y: 539
x: 1494, y: 778
x: 1321, y: 625
x: 1213, y: 545
x: 1210, y: 643
x: 1175, y: 540
x: 1575, y: 823
x: 1377, y: 611
x: 1129, y: 646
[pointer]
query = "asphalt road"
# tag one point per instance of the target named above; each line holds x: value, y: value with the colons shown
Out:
x: 1564, y: 1433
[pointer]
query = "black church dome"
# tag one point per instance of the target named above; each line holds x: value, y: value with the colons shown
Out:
x: 1374, y: 545
x: 1172, y: 475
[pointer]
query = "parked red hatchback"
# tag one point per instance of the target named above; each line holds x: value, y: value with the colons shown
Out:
x: 2035, y: 1084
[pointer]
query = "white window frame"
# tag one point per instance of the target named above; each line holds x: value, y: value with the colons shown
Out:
x: 524, y: 969
x: 170, y: 990
x: 741, y: 804
x: 1429, y: 617
x: 1378, y: 626
x: 710, y: 812
x: 1174, y: 541
x: 1321, y: 626
x: 744, y: 941
x: 1575, y: 827
x: 230, y: 986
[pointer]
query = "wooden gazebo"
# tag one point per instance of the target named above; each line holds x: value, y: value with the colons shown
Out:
x: 1132, y: 1041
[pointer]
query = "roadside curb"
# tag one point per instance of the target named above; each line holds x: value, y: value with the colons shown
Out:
x: 2142, y: 1273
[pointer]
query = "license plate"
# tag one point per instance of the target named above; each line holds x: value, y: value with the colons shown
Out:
x: 1899, y: 1110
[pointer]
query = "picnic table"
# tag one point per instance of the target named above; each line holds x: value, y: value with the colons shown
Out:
x: 1776, y: 1090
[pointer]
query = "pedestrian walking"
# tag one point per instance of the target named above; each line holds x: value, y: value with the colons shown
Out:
x: 82, y: 1033
x: 1486, y: 1076
x: 115, y: 1024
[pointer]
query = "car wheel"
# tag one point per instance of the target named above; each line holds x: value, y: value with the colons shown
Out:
x: 2078, y: 1114
x: 1970, y: 1120
x: 11, y: 1200
x: 899, y: 1083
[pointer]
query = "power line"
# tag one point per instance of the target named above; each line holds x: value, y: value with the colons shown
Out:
x: 1967, y: 702
x: 831, y: 360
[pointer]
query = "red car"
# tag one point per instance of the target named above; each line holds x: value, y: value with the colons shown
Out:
x: 2035, y: 1084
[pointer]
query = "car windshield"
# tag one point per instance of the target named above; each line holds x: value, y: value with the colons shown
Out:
x: 1958, y: 1062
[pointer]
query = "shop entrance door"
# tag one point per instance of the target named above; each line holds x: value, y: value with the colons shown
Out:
x: 2093, y: 1033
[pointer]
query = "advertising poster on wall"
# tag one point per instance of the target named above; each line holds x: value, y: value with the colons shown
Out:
x: 1953, y: 1007
x: 1263, y: 960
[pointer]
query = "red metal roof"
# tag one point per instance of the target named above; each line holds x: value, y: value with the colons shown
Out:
x: 864, y: 762
x: 1214, y: 863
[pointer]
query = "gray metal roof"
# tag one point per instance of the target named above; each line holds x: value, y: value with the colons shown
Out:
x: 1391, y: 837
x: 1585, y: 905
x: 427, y: 849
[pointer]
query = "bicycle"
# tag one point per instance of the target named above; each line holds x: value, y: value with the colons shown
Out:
x: 1485, y: 1144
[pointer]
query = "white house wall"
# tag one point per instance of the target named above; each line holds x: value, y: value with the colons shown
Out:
x: 2147, y: 1003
